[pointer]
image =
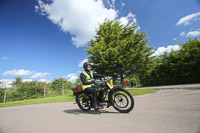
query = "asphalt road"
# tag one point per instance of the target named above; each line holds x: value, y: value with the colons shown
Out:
x: 166, y: 111
x: 169, y: 87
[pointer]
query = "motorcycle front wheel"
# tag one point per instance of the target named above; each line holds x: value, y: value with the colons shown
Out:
x: 83, y: 102
x: 122, y: 100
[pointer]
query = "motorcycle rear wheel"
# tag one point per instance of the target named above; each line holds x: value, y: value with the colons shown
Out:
x: 122, y: 100
x: 83, y: 102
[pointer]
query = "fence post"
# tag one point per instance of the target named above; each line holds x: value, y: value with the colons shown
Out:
x: 62, y: 89
x: 45, y: 91
x: 4, y: 100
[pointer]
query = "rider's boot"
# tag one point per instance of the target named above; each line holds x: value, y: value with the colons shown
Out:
x: 95, y: 106
x: 102, y: 103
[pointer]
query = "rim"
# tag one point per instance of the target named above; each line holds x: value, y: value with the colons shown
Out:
x: 121, y: 100
x: 83, y: 102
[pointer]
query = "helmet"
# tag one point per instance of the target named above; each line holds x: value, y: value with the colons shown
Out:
x: 86, y: 64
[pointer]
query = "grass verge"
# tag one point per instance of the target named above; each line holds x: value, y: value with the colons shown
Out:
x: 64, y: 98
x: 135, y: 92
x: 38, y: 101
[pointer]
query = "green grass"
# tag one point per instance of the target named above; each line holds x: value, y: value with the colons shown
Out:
x: 65, y: 98
x: 38, y: 101
x: 135, y: 92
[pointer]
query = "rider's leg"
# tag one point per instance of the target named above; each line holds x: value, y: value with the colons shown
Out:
x: 91, y: 90
x: 101, y: 96
x: 102, y: 100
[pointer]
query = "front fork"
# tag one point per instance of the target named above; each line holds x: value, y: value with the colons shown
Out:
x: 110, y: 101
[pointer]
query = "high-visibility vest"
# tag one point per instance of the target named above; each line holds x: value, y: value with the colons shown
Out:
x: 88, y: 79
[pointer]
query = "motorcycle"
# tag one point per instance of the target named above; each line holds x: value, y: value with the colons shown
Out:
x: 111, y: 95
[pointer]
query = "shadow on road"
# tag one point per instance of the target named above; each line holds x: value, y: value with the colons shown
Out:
x: 78, y: 111
x: 1, y: 131
x: 198, y: 130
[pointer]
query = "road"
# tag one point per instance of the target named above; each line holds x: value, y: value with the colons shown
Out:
x: 183, y: 86
x: 166, y: 111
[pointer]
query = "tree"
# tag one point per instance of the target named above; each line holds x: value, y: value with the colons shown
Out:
x: 1, y: 95
x: 177, y: 67
x: 1, y: 91
x: 119, y: 50
x: 17, y: 81
x: 78, y: 81
x: 189, y: 60
x: 60, y: 84
x: 30, y: 90
x: 56, y: 85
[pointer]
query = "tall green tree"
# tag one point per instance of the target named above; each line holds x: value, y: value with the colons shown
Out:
x: 188, y: 61
x: 119, y: 50
x: 177, y: 67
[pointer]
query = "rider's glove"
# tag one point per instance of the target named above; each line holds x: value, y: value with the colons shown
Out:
x: 92, y: 82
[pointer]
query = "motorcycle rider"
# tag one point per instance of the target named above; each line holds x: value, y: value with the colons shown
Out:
x: 88, y: 83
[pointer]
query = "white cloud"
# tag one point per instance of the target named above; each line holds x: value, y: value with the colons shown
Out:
x: 123, y: 4
x: 40, y: 75
x: 125, y: 20
x: 182, y: 34
x: 78, y: 17
x: 110, y: 3
x: 168, y: 49
x: 22, y: 72
x: 8, y: 82
x: 27, y: 80
x: 71, y: 77
x: 44, y: 80
x: 186, y: 20
x: 193, y: 34
x: 36, y: 8
x: 16, y: 72
x: 82, y: 62
x: 130, y: 16
x: 4, y: 58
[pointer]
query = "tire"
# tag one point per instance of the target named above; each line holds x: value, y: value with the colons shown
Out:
x: 122, y: 100
x: 83, y: 102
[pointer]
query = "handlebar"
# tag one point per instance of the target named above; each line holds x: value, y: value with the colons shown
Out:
x: 103, y: 80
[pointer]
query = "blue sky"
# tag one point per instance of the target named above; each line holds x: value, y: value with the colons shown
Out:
x: 45, y: 39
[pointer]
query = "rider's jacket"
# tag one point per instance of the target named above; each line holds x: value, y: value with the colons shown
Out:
x: 86, y: 78
x: 89, y: 78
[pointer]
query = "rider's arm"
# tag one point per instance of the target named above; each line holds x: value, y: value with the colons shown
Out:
x: 84, y: 80
x: 96, y: 75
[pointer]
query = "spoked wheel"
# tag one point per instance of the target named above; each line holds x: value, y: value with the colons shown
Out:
x: 83, y: 102
x: 122, y: 100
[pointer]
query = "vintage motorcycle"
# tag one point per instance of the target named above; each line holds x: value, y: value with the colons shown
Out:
x: 115, y: 96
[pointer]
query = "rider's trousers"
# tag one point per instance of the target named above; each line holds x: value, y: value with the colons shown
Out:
x: 91, y: 90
